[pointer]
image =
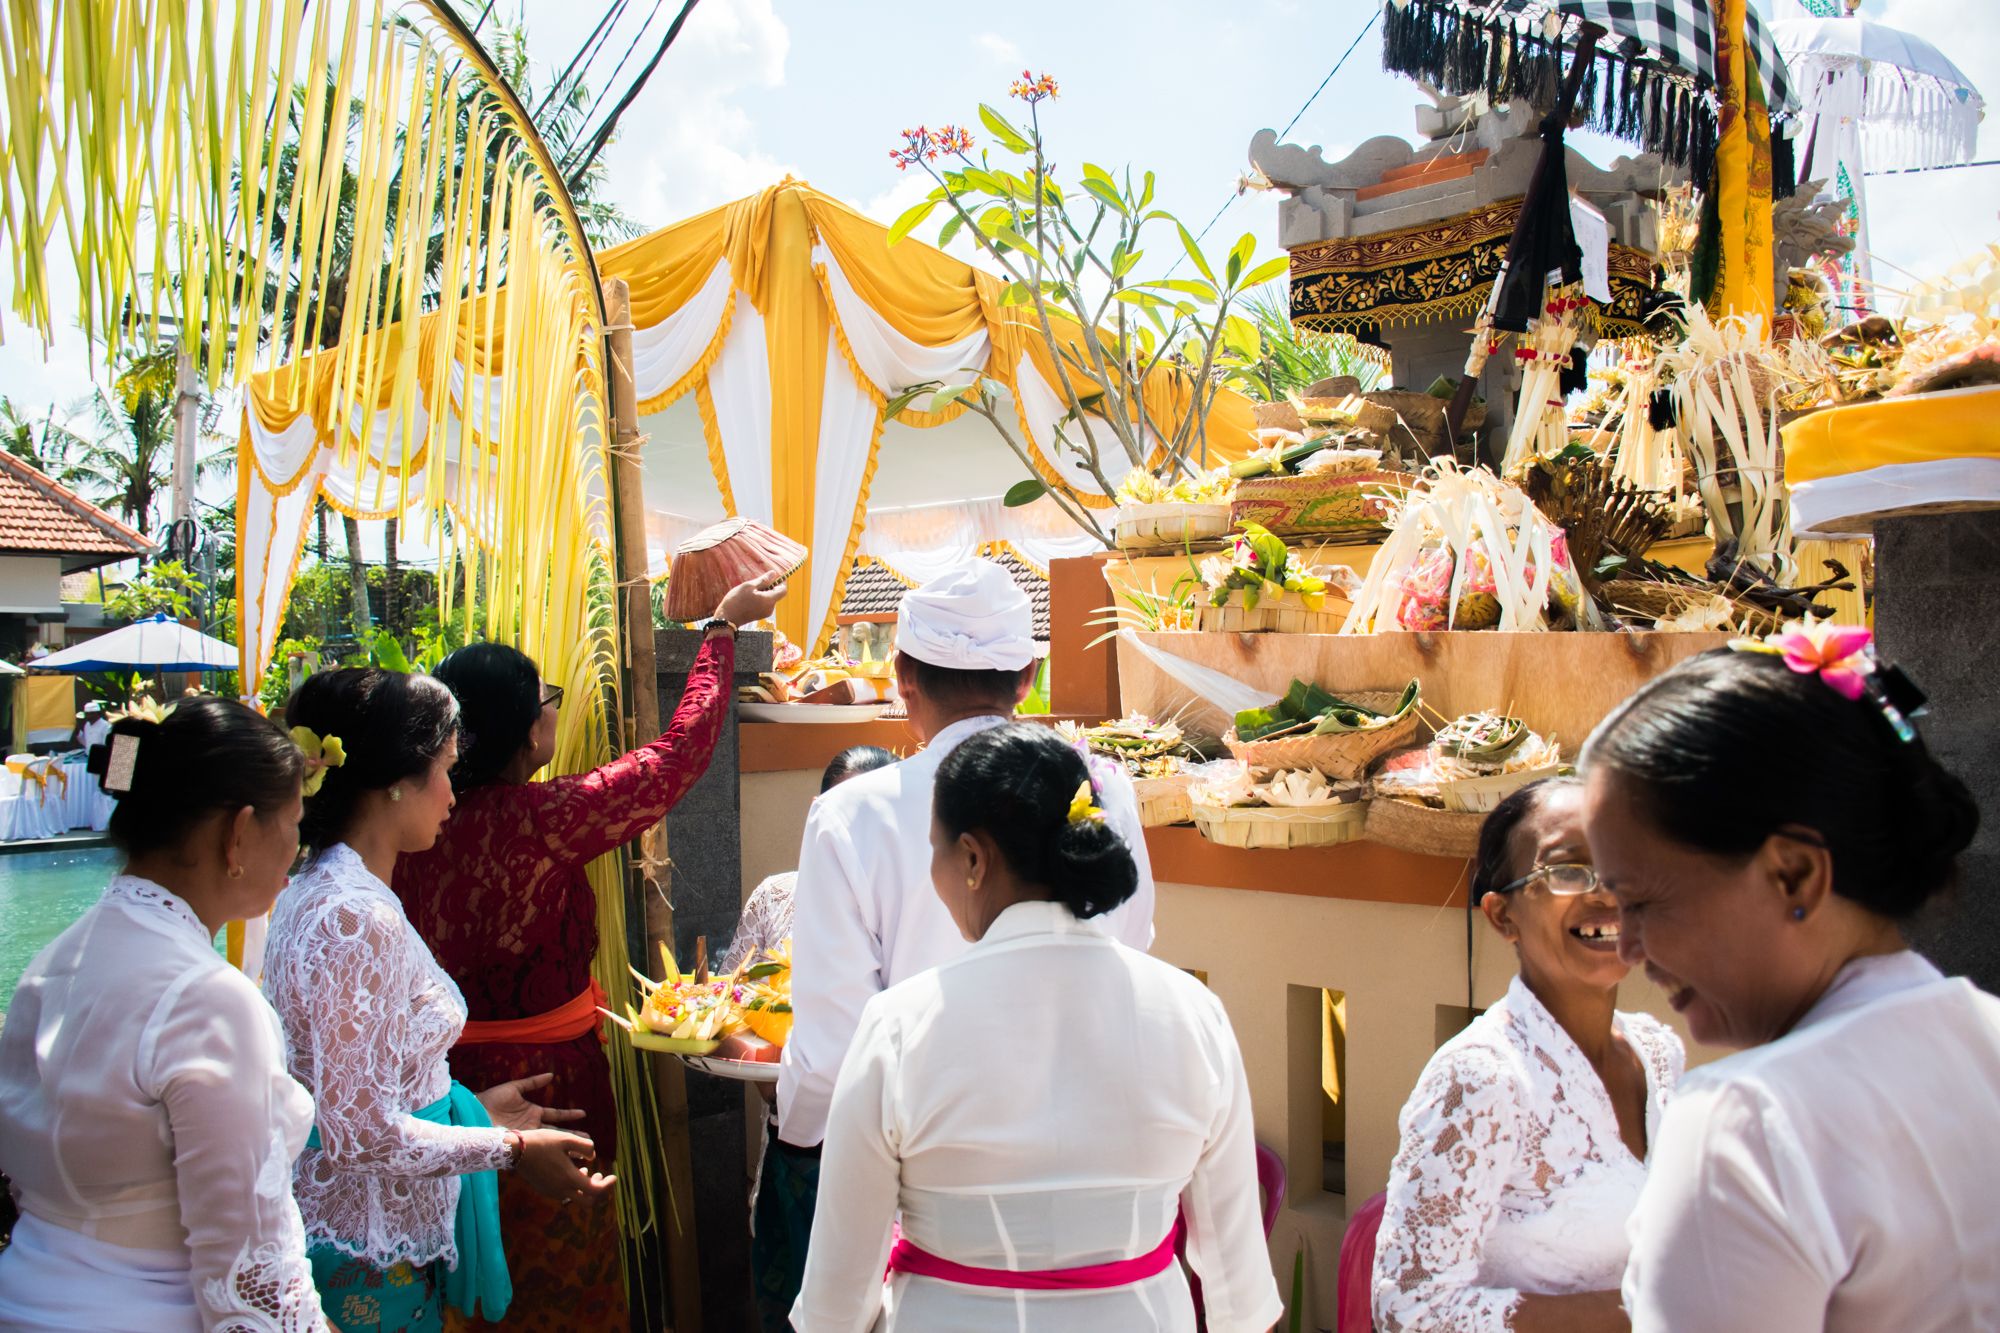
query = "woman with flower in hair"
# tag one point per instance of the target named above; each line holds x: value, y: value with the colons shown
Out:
x: 396, y: 1184
x: 1767, y: 817
x: 1041, y: 1108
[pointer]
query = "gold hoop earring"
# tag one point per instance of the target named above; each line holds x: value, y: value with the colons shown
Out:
x: 395, y: 793
x: 236, y: 872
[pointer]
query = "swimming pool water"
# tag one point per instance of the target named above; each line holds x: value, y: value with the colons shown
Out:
x: 40, y: 894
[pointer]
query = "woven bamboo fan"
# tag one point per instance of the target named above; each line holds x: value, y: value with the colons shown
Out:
x: 1345, y: 755
x: 716, y: 559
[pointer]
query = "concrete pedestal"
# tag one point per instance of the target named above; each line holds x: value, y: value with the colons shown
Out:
x: 1937, y: 611
x: 704, y: 840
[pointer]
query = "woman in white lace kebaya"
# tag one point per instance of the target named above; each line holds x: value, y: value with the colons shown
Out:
x: 1524, y: 1145
x: 394, y: 1185
x: 146, y: 1118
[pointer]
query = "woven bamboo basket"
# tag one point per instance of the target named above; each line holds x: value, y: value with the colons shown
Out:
x: 1271, y: 826
x: 1164, y: 800
x: 1345, y: 756
x: 1410, y: 827
x: 1409, y: 418
x: 1170, y: 524
x: 1349, y: 505
x: 1287, y: 617
x: 1480, y: 795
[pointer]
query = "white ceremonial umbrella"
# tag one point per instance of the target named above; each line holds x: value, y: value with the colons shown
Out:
x: 157, y: 643
x: 1876, y: 98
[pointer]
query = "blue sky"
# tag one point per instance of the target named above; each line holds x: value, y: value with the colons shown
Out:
x: 754, y: 89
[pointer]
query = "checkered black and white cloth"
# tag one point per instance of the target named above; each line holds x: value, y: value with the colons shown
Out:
x: 1675, y: 32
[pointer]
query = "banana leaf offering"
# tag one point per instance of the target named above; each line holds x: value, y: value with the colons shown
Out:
x: 1261, y: 568
x: 1308, y: 710
x: 1481, y: 738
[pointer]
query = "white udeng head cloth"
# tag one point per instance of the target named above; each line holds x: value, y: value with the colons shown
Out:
x: 971, y: 618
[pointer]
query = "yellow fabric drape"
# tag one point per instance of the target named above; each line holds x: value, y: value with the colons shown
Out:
x: 1743, y: 174
x: 767, y: 241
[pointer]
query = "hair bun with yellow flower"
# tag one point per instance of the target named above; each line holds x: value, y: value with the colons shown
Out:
x: 1083, y: 806
x: 322, y: 753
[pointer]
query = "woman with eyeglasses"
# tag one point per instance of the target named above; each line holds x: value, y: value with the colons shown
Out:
x: 502, y: 901
x: 1524, y: 1145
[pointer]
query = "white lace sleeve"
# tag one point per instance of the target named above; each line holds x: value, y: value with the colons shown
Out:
x: 766, y: 921
x: 1459, y: 1142
x: 215, y: 1060
x: 358, y: 973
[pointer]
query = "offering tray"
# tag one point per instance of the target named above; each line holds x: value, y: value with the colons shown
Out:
x: 743, y: 1071
x: 812, y: 712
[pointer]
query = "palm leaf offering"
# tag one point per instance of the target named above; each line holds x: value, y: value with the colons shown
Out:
x: 1306, y: 709
x: 1486, y: 738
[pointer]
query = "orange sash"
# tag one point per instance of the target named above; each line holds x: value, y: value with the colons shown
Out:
x: 566, y: 1022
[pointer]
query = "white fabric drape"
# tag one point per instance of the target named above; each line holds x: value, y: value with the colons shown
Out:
x: 923, y: 541
x: 1821, y: 508
x: 740, y: 387
x: 664, y: 352
x: 847, y: 439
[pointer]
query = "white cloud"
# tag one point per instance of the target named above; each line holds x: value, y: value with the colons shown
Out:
x: 999, y: 48
x: 688, y: 144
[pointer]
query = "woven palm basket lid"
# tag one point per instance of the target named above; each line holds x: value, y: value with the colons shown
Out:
x: 717, y: 558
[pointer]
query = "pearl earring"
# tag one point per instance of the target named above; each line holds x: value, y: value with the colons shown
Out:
x: 395, y: 793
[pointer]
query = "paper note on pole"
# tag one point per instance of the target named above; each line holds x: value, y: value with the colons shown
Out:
x: 1593, y: 237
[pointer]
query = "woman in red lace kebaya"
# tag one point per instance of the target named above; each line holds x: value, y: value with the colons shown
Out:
x: 502, y: 901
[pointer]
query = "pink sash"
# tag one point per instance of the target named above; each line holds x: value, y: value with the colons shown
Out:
x: 908, y: 1258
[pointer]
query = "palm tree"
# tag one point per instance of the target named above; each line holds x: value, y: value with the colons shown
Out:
x: 127, y: 461
x: 44, y: 445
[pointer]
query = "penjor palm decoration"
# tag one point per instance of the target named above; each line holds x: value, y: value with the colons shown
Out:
x: 348, y: 211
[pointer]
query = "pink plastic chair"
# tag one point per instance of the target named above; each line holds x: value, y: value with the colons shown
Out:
x: 1357, y: 1266
x: 1270, y: 1180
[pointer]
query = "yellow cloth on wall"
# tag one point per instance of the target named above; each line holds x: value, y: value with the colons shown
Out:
x: 50, y: 702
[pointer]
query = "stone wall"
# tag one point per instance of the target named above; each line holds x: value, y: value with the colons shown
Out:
x: 1937, y: 611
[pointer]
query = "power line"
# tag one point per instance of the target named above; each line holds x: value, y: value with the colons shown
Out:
x: 1200, y: 235
x: 1948, y: 166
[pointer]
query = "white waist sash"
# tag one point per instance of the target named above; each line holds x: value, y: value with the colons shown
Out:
x: 53, y: 1280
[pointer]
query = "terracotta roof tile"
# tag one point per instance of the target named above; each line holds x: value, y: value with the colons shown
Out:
x: 43, y: 517
x: 873, y: 591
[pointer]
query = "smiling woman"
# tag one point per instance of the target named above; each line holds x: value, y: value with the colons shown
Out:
x: 1524, y: 1145
x: 1765, y: 815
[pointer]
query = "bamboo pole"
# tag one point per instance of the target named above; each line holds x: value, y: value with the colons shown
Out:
x: 670, y: 1079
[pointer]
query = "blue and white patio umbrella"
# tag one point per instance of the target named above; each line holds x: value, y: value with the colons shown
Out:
x: 157, y: 643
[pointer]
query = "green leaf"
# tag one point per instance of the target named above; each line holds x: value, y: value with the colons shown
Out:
x: 1267, y: 270
x: 985, y: 180
x: 1194, y: 253
x: 1147, y: 197
x: 1105, y: 193
x: 910, y: 395
x: 1008, y: 236
x: 1133, y: 296
x: 1017, y: 293
x: 762, y: 970
x: 1010, y: 138
x: 950, y: 229
x: 1025, y: 492
x: 1244, y: 249
x: 909, y: 221
x: 1608, y: 568
x: 1126, y: 263
x: 1232, y: 270
x: 944, y: 398
x: 388, y: 654
x: 1241, y: 336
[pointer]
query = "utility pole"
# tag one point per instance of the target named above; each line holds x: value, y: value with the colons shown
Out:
x: 187, y: 406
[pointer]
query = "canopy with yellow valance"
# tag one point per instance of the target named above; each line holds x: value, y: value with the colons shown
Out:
x: 791, y: 320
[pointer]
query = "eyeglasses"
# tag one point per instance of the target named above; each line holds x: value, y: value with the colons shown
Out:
x: 1564, y: 881
x: 553, y: 698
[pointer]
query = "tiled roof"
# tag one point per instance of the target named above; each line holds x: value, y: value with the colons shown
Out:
x: 872, y: 590
x: 39, y: 516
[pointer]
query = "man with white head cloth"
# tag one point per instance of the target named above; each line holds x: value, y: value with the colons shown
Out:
x: 866, y: 915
